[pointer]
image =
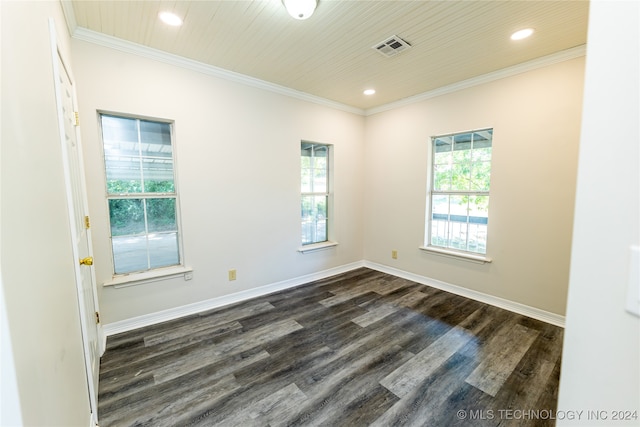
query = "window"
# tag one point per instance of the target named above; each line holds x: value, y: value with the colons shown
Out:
x: 141, y: 193
x: 314, y: 163
x: 459, y: 191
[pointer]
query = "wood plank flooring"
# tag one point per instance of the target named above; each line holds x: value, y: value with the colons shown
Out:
x: 361, y: 348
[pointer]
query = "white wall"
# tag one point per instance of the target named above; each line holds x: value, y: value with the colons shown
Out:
x: 536, y: 121
x: 601, y: 356
x: 238, y: 166
x: 36, y: 254
x: 10, y: 414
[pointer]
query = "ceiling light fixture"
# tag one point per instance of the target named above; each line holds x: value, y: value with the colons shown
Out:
x: 522, y: 34
x: 369, y: 91
x: 170, y: 19
x: 300, y: 9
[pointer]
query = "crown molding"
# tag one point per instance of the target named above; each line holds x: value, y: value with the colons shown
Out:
x: 544, y: 61
x: 190, y: 64
x: 121, y: 45
x: 69, y: 15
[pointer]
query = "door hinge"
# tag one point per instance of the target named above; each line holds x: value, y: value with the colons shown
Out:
x: 97, y: 317
x: 76, y: 115
x: 87, y: 223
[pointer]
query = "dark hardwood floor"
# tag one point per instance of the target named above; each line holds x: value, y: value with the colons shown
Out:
x: 362, y: 348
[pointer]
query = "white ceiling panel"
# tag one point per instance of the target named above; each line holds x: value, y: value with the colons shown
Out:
x: 330, y: 55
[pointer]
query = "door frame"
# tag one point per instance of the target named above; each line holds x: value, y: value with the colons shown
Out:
x: 92, y: 388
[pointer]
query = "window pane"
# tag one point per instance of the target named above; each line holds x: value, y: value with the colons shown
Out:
x: 480, y: 176
x: 320, y: 153
x: 458, y: 235
x: 139, y: 159
x: 477, y: 238
x: 129, y: 254
x: 440, y: 220
x: 442, y: 177
x: 479, y: 209
x: 155, y: 139
x: 158, y: 175
x: 458, y: 218
x: 305, y: 180
x: 123, y: 175
x: 444, y: 158
x: 461, y: 170
x: 126, y: 217
x: 314, y: 219
x: 458, y: 208
x: 163, y: 249
x: 481, y: 154
x: 462, y: 156
x: 481, y: 161
x: 440, y: 207
x: 462, y: 141
x: 443, y: 144
x: 120, y: 136
x: 161, y: 215
x: 320, y: 181
x: 478, y: 220
x: 482, y: 139
x: 314, y: 167
x: 314, y: 178
x: 460, y: 173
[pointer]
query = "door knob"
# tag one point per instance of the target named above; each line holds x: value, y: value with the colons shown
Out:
x: 86, y: 261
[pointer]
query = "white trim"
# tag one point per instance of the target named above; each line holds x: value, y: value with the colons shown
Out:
x: 516, y: 307
x: 466, y: 256
x: 69, y: 15
x: 121, y: 45
x: 316, y: 247
x: 158, y: 55
x: 189, y: 309
x: 554, y: 58
x: 155, y: 275
x: 102, y: 340
x: 58, y: 61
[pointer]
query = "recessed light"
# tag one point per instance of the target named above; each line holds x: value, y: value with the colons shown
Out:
x: 170, y: 19
x: 369, y: 91
x: 522, y: 34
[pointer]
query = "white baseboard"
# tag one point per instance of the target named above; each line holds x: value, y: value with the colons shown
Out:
x: 187, y: 310
x: 536, y: 313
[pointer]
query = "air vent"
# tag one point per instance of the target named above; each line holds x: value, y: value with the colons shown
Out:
x: 391, y: 46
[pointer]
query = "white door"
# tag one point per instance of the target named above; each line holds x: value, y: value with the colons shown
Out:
x: 79, y: 220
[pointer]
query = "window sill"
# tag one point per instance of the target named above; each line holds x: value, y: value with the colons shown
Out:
x: 125, y: 280
x: 466, y: 256
x: 317, y: 247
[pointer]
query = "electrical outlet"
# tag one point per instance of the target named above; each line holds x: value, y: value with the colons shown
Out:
x: 394, y: 254
x: 232, y: 274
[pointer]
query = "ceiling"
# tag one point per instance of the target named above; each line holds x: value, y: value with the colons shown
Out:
x: 330, y: 55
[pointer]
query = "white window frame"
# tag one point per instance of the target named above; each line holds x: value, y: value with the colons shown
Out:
x: 431, y: 192
x: 150, y: 274
x: 328, y: 194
